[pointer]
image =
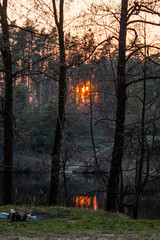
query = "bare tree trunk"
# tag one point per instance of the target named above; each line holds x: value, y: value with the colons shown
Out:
x: 139, y: 181
x: 117, y: 155
x: 8, y: 122
x: 92, y: 137
x: 55, y: 167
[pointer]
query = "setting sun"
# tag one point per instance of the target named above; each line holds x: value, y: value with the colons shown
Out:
x: 83, y: 89
x: 83, y: 92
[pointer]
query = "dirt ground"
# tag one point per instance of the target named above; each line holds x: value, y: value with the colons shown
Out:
x: 103, y: 237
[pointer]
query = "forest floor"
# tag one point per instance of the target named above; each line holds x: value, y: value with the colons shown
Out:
x: 61, y: 223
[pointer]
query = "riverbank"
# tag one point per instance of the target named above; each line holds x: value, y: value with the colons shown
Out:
x: 79, y: 224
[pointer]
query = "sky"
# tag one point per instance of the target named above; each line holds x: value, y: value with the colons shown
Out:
x: 20, y: 9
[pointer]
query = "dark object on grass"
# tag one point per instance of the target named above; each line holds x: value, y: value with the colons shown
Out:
x: 15, y: 216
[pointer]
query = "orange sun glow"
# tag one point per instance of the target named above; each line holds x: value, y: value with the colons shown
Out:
x: 86, y: 202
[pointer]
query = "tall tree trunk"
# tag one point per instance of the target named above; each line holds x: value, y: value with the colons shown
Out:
x: 55, y: 167
x: 117, y: 155
x: 140, y: 182
x: 8, y: 123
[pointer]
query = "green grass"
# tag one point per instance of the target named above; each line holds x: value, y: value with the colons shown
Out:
x: 77, y: 222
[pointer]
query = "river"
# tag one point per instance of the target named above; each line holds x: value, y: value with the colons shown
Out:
x: 82, y: 191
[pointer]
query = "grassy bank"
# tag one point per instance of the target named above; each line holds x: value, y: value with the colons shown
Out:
x: 74, y: 223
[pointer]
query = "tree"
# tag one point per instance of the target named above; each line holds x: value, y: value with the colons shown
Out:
x: 118, y: 149
x: 117, y: 154
x: 7, y: 114
x: 55, y: 166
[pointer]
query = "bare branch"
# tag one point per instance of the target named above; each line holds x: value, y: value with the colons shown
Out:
x: 61, y: 13
x: 142, y: 79
x: 55, y: 13
x: 29, y: 30
x: 143, y: 21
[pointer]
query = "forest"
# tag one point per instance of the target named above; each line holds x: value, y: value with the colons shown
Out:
x: 80, y: 98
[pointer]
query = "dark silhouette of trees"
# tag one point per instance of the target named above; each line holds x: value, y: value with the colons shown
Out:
x: 140, y: 182
x: 117, y: 155
x: 40, y: 70
x: 55, y: 166
x: 7, y: 114
x: 113, y: 191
